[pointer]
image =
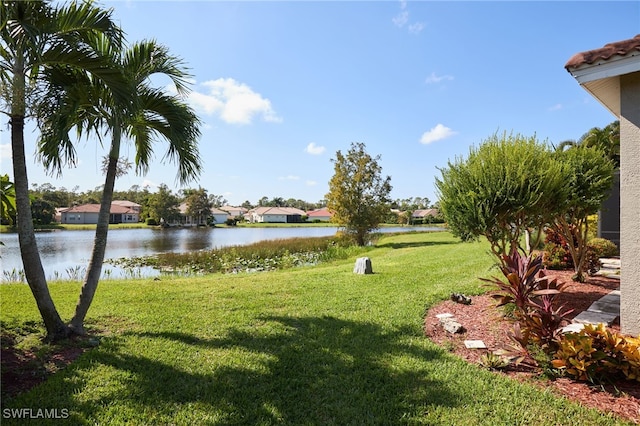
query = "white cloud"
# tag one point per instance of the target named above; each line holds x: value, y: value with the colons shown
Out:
x: 233, y: 102
x: 289, y: 177
x: 149, y: 183
x: 433, y: 78
x: 403, y: 16
x: 311, y: 183
x: 416, y: 28
x: 314, y: 149
x: 437, y: 133
x: 556, y: 107
x: 5, y: 150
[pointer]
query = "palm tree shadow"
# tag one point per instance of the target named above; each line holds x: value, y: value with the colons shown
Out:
x: 313, y: 370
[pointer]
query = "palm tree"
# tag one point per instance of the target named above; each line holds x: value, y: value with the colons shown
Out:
x: 606, y: 139
x: 7, y: 198
x: 152, y: 115
x: 36, y: 38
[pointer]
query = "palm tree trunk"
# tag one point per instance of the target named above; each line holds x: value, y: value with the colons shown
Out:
x: 94, y: 271
x: 32, y: 264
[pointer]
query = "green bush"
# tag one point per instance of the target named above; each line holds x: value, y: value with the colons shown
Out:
x: 603, y: 247
x: 151, y: 222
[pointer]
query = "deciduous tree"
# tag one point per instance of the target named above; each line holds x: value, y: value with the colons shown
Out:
x: 199, y: 205
x: 358, y: 193
x: 163, y: 205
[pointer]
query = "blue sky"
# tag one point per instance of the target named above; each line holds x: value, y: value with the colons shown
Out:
x: 281, y: 86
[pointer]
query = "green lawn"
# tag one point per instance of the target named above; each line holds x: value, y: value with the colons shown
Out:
x: 309, y: 346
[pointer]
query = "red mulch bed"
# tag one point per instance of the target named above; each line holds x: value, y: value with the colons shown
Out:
x: 24, y: 369
x: 482, y: 320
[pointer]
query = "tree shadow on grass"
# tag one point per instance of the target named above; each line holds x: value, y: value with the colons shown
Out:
x: 311, y: 371
x: 415, y: 244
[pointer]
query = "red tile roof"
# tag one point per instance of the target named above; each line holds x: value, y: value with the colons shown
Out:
x: 618, y: 48
x: 95, y: 208
x: 323, y: 212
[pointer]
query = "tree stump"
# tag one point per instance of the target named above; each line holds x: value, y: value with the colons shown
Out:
x: 363, y: 266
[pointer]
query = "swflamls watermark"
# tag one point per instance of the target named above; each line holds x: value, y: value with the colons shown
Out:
x: 35, y: 413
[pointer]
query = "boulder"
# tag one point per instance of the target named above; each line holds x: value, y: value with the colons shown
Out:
x: 363, y: 266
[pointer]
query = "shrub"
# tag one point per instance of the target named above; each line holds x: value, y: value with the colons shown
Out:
x: 596, y: 354
x: 508, y: 184
x: 592, y: 260
x: 533, y: 294
x: 556, y: 251
x: 603, y: 247
x: 151, y: 222
x: 556, y: 257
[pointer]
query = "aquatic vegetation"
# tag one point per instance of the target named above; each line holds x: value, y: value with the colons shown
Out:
x: 260, y: 256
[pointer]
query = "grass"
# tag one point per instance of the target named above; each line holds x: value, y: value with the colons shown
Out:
x: 307, y: 346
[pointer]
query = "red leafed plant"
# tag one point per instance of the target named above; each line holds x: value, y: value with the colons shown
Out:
x: 521, y: 273
x: 533, y: 295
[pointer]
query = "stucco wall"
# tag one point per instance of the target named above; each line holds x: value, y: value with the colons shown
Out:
x: 273, y: 218
x: 609, y: 216
x: 630, y: 203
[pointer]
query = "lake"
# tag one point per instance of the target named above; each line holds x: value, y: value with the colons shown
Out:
x: 65, y: 254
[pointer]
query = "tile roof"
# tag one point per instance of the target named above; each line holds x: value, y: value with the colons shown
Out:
x: 610, y: 50
x: 424, y: 213
x: 323, y: 212
x: 277, y: 211
x: 95, y: 208
x: 125, y: 203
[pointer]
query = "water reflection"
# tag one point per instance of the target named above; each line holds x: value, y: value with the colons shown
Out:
x: 65, y: 251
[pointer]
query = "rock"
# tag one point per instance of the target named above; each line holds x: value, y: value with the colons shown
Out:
x: 452, y: 326
x: 460, y: 298
x: 475, y: 344
x: 363, y: 266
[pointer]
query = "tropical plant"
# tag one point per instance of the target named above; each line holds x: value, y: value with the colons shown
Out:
x: 507, y: 186
x: 556, y: 251
x: 534, y: 296
x: 39, y: 39
x: 152, y: 114
x: 605, y: 139
x: 7, y: 199
x: 358, y: 194
x: 597, y: 354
